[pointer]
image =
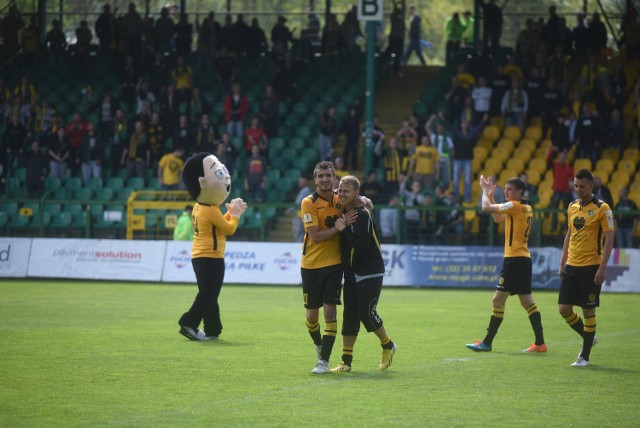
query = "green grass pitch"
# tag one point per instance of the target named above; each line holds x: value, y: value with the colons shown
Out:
x: 109, y: 354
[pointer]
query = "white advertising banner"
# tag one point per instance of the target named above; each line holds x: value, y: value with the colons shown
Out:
x: 245, y: 263
x: 14, y: 257
x: 108, y: 259
x: 623, y: 271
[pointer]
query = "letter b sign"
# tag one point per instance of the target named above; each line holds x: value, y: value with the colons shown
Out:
x: 370, y: 10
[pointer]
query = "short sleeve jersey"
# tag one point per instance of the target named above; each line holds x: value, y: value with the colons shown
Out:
x: 587, y: 224
x: 171, y: 168
x: 317, y: 211
x: 210, y: 231
x: 518, y: 219
x: 425, y: 160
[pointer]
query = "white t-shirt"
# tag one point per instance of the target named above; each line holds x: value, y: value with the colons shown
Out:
x: 481, y: 98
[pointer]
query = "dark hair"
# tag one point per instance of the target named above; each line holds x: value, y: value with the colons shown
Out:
x: 583, y: 174
x: 324, y: 165
x: 192, y: 171
x: 517, y: 183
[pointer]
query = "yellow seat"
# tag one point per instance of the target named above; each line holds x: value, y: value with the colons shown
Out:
x: 486, y: 172
x: 501, y: 153
x: 546, y: 144
x: 522, y: 153
x: 542, y: 152
x: 506, y: 144
x: 528, y: 144
x: 538, y: 164
x: 605, y: 165
x: 512, y: 132
x: 582, y: 163
x: 516, y: 165
x: 620, y: 177
x: 491, y: 132
x: 611, y: 153
x: 497, y: 121
x: 627, y: 165
x: 505, y: 175
x: 631, y: 153
x: 533, y: 132
x: 485, y: 143
x: 493, y: 164
x: 479, y: 153
x: 602, y: 175
x: 475, y: 190
x: 634, y: 187
x: 476, y: 164
x: 533, y: 176
x: 635, y: 197
x: 536, y: 121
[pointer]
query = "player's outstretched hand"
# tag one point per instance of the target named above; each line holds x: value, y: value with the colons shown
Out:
x: 483, y: 182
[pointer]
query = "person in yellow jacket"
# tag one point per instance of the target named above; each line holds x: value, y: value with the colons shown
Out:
x: 208, y: 182
x: 184, y: 228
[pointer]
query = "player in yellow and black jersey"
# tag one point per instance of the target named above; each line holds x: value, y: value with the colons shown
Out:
x: 585, y: 254
x: 515, y: 277
x: 321, y: 267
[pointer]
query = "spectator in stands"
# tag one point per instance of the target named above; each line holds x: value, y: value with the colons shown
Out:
x: 207, y: 39
x: 480, y: 63
x: 297, y: 228
x: 581, y: 38
x: 182, y: 78
x: 530, y: 192
x: 340, y: 168
x: 59, y: 150
x: 415, y: 36
x: 444, y: 145
x: 389, y: 221
x: 56, y: 44
x: 313, y: 28
x: 5, y: 96
x: 90, y: 154
x: 328, y: 130
x: 481, y: 95
x: 606, y: 101
x: 552, y: 102
x: 557, y: 67
x: 35, y: 163
x: 411, y: 220
x: 105, y: 30
x: 83, y: 41
x: 269, y: 111
x: 133, y: 25
x: 225, y: 66
x: 255, y: 181
x: 205, y: 136
x: 10, y: 26
x: 332, y: 43
x: 18, y: 108
x: 236, y: 106
x: 27, y: 92
x: 170, y: 108
x: 129, y: 78
x: 120, y: 139
x: 424, y: 164
x: 197, y: 105
x: 280, y: 32
x: 255, y: 136
x: 377, y: 140
x: 106, y: 109
x: 533, y: 87
x: 625, y: 223
x: 170, y: 168
x: 427, y: 220
x: 156, y: 136
x: 395, y: 47
x: 372, y: 189
x: 601, y: 191
x: 164, y: 31
x: 158, y: 73
x: 596, y: 34
x: 137, y: 155
x: 588, y: 134
x: 464, y: 139
x: 13, y: 142
x: 500, y: 82
x: 30, y: 41
x: 491, y: 25
x: 407, y: 137
x: 615, y: 131
x: 76, y: 130
x: 285, y: 80
x: 184, y: 226
x: 43, y: 119
x: 562, y: 182
x: 455, y: 98
x: 454, y: 28
x: 393, y: 165
x: 183, y: 134
x: 515, y: 105
x: 225, y: 152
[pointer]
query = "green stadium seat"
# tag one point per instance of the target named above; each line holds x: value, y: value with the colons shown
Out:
x: 115, y: 183
x: 61, y: 194
x: 73, y: 183
x: 104, y: 194
x: 154, y: 183
x: 94, y: 183
x: 83, y: 194
x: 293, y: 174
x: 296, y: 144
x: 275, y: 196
x: 4, y: 219
x: 19, y: 221
x: 34, y: 205
x: 124, y: 193
x: 52, y: 208
x: 20, y: 173
x: 73, y: 208
x: 52, y: 183
x: 11, y: 208
x: 80, y: 219
x: 62, y: 220
x: 136, y: 183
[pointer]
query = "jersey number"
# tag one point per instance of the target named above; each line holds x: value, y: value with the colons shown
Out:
x: 526, y: 232
x: 194, y: 220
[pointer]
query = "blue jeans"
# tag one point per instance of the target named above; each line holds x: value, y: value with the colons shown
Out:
x: 414, y: 45
x: 325, y: 146
x: 235, y: 129
x: 464, y: 166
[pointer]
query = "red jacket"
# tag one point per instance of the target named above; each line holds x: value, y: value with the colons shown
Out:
x: 240, y: 109
x: 562, y: 173
x: 76, y: 132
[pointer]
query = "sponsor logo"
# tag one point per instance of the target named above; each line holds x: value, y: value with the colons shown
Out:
x: 506, y: 206
x: 579, y: 222
x: 591, y: 213
x: 609, y: 215
x: 307, y: 218
x: 286, y: 261
x: 180, y: 259
x: 99, y: 256
x: 592, y: 297
x: 501, y: 281
x: 5, y: 254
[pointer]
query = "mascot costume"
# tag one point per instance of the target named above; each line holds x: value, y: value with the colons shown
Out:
x: 209, y: 183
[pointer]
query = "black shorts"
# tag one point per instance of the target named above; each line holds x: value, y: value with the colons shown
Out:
x: 320, y: 286
x: 515, y: 277
x: 360, y: 305
x: 578, y: 287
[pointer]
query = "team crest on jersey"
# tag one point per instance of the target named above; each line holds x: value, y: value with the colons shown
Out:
x: 591, y: 212
x: 609, y: 218
x: 338, y: 206
x: 592, y: 297
x: 501, y: 281
x: 307, y: 218
x: 579, y: 222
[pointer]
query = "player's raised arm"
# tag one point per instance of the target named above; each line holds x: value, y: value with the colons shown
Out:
x: 488, y: 201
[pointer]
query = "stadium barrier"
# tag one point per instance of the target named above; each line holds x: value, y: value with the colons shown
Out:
x: 278, y: 263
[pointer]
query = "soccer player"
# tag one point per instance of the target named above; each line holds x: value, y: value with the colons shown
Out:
x: 321, y: 267
x: 585, y: 254
x: 363, y: 272
x: 515, y: 277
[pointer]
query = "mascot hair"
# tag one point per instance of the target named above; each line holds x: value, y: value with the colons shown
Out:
x: 191, y: 173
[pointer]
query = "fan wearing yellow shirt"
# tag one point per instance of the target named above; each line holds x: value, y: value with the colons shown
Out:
x: 424, y: 163
x: 170, y: 168
x: 209, y: 183
x: 585, y: 254
x: 515, y: 277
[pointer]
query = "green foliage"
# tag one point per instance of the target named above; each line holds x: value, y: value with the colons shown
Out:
x: 108, y: 354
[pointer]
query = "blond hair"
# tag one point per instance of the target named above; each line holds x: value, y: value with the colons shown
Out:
x: 351, y: 181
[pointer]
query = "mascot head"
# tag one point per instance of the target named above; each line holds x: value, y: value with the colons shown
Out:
x: 206, y: 178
